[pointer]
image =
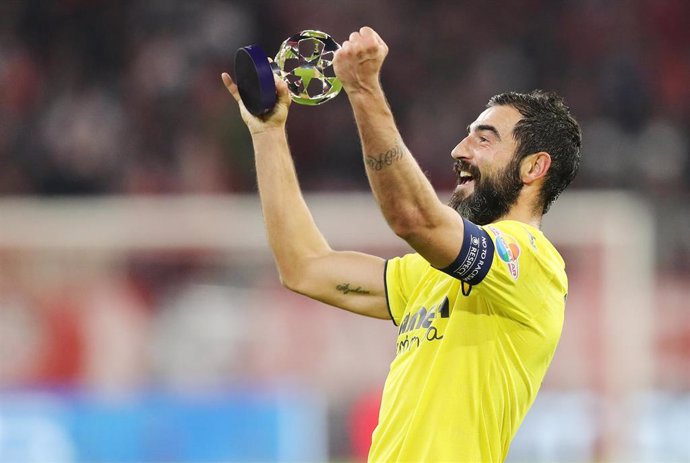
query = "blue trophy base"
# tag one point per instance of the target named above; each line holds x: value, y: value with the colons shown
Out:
x: 254, y: 77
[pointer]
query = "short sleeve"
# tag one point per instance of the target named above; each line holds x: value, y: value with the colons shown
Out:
x: 402, y: 276
x: 527, y: 273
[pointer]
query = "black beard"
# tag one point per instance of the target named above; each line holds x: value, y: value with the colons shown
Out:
x: 492, y: 198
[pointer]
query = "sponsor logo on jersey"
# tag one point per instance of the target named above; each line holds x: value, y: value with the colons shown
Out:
x: 417, y: 328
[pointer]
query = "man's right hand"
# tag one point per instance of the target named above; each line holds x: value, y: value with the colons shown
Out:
x: 275, y: 119
x: 358, y: 62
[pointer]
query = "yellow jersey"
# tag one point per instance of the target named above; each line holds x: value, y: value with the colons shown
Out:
x: 474, y: 343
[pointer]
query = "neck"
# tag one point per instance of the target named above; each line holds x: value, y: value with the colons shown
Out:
x: 530, y: 219
x: 523, y: 211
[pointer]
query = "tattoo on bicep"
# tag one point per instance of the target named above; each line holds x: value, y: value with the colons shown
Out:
x: 345, y: 288
x: 383, y: 160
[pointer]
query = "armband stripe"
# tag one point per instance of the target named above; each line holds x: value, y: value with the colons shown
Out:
x: 476, y: 255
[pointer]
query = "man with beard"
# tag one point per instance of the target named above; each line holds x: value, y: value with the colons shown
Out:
x: 479, y: 306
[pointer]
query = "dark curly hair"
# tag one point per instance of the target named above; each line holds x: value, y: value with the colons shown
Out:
x: 546, y: 125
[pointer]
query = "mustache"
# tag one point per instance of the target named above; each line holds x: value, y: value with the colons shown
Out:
x: 460, y: 165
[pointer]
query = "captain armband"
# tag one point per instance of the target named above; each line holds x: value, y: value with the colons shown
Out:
x: 476, y: 255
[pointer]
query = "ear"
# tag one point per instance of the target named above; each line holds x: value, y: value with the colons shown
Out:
x: 535, y: 166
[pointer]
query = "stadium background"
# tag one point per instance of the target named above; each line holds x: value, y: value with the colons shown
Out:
x: 140, y: 316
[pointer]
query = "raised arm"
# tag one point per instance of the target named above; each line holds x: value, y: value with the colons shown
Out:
x: 305, y: 262
x: 404, y: 194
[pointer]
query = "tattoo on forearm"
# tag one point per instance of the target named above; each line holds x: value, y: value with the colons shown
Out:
x: 345, y: 288
x: 383, y: 160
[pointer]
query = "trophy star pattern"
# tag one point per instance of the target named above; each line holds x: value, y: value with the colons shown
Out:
x: 305, y: 62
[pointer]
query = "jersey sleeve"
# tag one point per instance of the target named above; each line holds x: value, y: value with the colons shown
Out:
x: 514, y: 269
x: 402, y: 277
x: 523, y: 279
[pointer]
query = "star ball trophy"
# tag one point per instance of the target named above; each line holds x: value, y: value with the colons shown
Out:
x: 304, y: 61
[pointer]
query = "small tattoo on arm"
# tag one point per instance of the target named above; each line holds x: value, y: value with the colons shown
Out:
x: 345, y: 288
x: 383, y: 160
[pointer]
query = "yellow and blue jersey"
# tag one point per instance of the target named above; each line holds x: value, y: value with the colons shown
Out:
x: 474, y: 343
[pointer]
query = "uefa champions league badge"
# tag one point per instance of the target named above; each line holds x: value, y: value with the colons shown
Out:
x: 508, y: 251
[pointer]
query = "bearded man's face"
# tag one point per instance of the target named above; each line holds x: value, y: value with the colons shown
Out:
x: 493, y: 194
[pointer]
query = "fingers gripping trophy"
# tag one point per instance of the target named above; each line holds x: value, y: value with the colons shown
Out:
x: 304, y: 62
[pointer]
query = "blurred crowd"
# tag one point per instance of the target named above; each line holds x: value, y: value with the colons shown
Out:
x: 102, y: 97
